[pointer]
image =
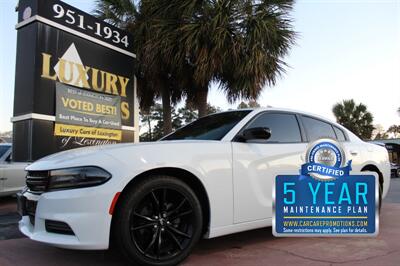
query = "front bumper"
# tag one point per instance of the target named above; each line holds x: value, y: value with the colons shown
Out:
x: 84, y: 210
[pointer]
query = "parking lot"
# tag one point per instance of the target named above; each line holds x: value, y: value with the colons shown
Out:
x: 257, y: 247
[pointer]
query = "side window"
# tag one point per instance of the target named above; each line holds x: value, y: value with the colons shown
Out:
x: 284, y: 127
x: 340, y: 134
x: 317, y: 129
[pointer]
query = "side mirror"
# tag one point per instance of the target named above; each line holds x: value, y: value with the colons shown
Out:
x: 255, y: 133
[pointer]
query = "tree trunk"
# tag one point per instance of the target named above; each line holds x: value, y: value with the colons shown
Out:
x: 149, y: 124
x: 201, y: 101
x: 166, y: 103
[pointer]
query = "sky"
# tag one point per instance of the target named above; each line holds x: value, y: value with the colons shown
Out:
x: 345, y: 50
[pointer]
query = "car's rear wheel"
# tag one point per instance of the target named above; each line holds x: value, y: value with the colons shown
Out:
x: 398, y: 172
x: 158, y: 221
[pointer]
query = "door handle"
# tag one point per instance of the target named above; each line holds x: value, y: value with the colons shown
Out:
x: 353, y: 152
x: 3, y: 178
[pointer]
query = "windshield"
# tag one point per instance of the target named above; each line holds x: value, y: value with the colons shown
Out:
x: 4, y: 149
x: 212, y: 127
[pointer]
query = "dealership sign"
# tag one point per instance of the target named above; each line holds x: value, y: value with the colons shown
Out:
x: 85, y: 114
x: 325, y: 199
x: 74, y: 83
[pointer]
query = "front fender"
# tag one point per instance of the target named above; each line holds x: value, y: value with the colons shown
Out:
x: 210, y: 162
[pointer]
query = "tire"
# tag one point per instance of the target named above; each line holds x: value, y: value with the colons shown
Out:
x: 158, y: 221
x: 398, y: 172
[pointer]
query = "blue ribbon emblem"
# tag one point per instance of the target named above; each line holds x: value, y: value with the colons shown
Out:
x: 336, y: 172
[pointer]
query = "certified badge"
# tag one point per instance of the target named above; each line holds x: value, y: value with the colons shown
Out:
x: 324, y: 199
x: 325, y: 161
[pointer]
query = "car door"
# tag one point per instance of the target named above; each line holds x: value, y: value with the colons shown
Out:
x: 256, y: 163
x: 4, y: 153
x: 13, y: 174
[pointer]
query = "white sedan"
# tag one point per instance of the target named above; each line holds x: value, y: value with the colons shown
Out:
x: 12, y: 174
x: 155, y: 200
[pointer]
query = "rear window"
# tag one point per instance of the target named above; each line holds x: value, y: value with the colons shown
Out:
x: 317, y: 129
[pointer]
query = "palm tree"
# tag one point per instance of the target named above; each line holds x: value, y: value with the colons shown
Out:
x: 354, y: 117
x: 154, y: 80
x: 240, y: 44
x: 184, y: 45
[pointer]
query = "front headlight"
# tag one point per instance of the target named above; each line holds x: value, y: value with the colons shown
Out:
x: 77, y: 177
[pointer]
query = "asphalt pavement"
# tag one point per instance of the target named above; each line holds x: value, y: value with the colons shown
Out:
x: 394, y: 191
x: 9, y: 219
x: 256, y: 247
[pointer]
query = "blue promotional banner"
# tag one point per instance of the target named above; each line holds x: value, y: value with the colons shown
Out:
x: 306, y: 206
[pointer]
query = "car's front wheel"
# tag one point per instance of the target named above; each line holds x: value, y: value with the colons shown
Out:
x: 158, y: 221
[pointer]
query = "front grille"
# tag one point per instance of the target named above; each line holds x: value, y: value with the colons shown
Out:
x: 37, y: 181
x: 30, y: 209
x: 58, y: 227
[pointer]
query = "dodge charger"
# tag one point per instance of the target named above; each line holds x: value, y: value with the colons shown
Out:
x: 155, y: 200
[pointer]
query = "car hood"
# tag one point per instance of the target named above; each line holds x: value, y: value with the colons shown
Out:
x: 105, y: 153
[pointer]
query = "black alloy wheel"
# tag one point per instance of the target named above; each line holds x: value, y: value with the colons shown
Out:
x: 158, y: 222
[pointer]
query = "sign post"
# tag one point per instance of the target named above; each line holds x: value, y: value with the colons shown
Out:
x: 74, y: 83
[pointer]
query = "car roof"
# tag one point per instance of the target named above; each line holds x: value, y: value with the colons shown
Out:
x: 277, y: 109
x: 261, y: 109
